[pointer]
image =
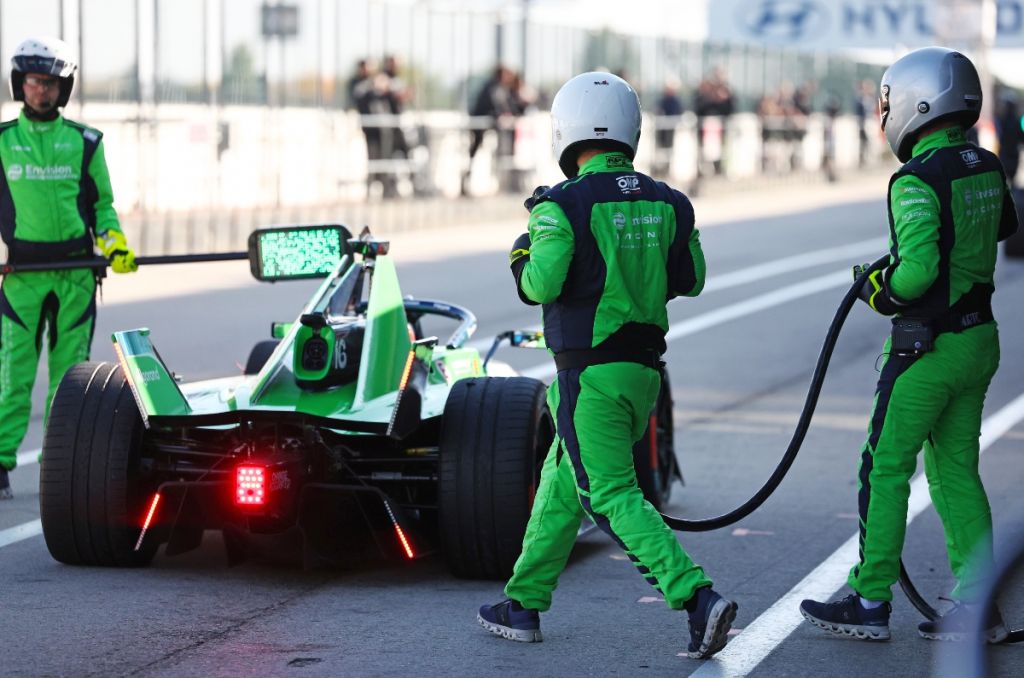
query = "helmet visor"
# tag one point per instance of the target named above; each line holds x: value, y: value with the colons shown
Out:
x: 43, y: 64
x: 883, y: 106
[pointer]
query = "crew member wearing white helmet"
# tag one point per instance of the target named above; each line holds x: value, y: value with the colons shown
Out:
x: 56, y: 204
x: 606, y: 250
x: 948, y: 206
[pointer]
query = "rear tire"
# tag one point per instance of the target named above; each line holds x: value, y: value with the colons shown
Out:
x: 655, y: 458
x: 259, y: 355
x: 92, y: 500
x: 495, y: 433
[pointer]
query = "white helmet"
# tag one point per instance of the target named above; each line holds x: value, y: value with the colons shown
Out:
x: 47, y: 55
x: 599, y: 109
x: 926, y: 86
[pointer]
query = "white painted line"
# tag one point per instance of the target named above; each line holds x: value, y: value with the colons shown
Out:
x: 732, y: 312
x: 13, y: 535
x: 28, y: 457
x: 768, y: 631
x: 871, y: 249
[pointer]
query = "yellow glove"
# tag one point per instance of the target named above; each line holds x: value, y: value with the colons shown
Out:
x: 115, y: 248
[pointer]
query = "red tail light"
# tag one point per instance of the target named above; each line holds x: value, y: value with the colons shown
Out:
x: 410, y: 554
x: 148, y: 520
x: 250, y: 485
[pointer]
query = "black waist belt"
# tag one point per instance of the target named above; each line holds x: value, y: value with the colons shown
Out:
x: 37, y: 252
x: 580, y: 358
x: 962, y: 319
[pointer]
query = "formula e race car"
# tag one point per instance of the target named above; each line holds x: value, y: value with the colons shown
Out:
x: 349, y: 436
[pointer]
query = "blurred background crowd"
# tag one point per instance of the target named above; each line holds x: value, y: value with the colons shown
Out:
x: 245, y: 111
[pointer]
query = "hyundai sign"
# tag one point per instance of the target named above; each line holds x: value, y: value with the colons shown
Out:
x: 859, y: 24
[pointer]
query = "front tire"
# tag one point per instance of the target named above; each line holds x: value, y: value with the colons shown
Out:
x: 495, y: 435
x: 92, y: 498
x: 259, y: 355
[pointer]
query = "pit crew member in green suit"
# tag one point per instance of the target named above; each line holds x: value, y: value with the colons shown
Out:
x: 606, y: 250
x: 56, y: 204
x: 948, y: 206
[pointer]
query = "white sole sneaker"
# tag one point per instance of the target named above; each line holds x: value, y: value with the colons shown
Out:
x: 518, y: 635
x: 994, y: 635
x: 853, y: 630
x: 716, y: 635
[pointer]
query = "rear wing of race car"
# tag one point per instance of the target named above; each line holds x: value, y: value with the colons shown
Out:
x: 155, y: 390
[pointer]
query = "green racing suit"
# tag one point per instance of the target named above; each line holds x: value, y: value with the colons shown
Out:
x: 608, y: 249
x: 55, y: 198
x: 948, y: 207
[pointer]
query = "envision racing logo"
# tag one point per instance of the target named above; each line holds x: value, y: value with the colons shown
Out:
x: 41, y: 172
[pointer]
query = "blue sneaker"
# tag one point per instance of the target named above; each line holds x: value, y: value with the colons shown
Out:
x: 848, y: 617
x: 511, y: 620
x: 961, y: 623
x: 5, y: 485
x: 710, y: 622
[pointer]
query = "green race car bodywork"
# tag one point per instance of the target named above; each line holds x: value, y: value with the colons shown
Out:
x: 350, y: 434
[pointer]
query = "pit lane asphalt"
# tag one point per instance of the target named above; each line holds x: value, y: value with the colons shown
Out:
x: 738, y: 388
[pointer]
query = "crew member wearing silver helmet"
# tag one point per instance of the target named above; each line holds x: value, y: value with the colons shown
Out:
x: 949, y: 204
x: 55, y: 204
x: 605, y: 251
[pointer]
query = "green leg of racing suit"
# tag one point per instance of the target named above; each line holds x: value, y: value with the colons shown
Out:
x: 601, y: 411
x: 934, y: 400
x: 59, y: 303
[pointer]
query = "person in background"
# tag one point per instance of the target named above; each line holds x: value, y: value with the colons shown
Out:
x: 359, y: 82
x: 865, y: 108
x: 1010, y: 134
x: 56, y: 204
x: 498, y: 101
x: 714, y: 100
x: 669, y: 109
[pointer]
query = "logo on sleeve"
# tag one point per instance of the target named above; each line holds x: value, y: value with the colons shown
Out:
x: 14, y: 172
x: 629, y: 184
x: 970, y: 157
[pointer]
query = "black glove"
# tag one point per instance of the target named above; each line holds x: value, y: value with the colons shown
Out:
x: 874, y: 291
x: 532, y: 200
x: 517, y: 259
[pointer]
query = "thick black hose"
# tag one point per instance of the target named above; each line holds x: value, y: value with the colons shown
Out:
x: 813, y: 391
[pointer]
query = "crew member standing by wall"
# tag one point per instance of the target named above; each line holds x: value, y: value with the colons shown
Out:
x: 56, y: 204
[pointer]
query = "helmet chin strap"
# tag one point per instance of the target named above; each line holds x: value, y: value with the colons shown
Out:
x: 33, y: 114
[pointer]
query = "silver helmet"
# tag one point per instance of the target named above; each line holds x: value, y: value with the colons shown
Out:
x: 596, y: 108
x: 926, y: 86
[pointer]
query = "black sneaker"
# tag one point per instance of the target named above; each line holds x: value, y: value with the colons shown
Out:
x: 849, y: 618
x: 511, y: 620
x: 710, y: 622
x: 5, y: 485
x: 961, y: 623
